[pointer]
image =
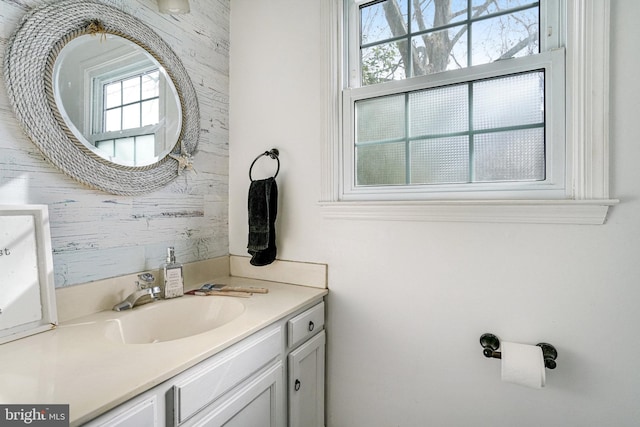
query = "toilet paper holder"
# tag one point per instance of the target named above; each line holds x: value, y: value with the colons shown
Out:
x: 491, y: 343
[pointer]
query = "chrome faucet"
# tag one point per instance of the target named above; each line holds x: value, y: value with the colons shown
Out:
x: 145, y: 294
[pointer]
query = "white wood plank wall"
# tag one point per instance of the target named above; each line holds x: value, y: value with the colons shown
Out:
x: 97, y: 235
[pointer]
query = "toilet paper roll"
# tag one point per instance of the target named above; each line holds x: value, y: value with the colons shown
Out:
x: 523, y: 364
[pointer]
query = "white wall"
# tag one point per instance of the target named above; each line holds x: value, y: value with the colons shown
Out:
x: 409, y: 300
x: 97, y: 235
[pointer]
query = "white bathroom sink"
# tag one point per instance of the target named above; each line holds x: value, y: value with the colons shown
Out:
x: 172, y: 319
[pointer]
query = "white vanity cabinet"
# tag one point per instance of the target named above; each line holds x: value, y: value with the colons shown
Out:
x: 250, y: 384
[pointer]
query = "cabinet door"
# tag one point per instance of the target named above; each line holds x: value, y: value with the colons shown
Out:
x: 306, y: 383
x: 260, y: 403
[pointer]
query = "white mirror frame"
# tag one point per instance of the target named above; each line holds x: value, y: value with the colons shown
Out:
x: 28, y: 69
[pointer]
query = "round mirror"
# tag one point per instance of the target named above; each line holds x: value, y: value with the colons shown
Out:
x: 102, y: 96
x: 117, y: 99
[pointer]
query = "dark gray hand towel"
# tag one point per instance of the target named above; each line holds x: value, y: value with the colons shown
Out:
x: 263, y: 208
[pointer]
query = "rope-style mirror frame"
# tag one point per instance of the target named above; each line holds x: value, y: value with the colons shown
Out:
x: 28, y: 69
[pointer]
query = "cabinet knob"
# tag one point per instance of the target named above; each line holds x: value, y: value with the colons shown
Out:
x: 311, y: 326
x: 296, y: 385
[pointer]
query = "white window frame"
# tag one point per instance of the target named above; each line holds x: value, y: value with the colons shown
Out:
x: 586, y: 193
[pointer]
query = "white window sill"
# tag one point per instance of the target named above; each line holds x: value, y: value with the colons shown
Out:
x: 512, y: 211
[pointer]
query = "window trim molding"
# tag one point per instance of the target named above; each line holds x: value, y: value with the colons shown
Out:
x: 587, y: 129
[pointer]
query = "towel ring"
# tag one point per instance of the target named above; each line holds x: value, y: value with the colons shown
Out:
x: 273, y: 153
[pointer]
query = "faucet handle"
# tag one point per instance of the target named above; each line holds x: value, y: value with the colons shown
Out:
x: 142, y: 286
x: 147, y: 277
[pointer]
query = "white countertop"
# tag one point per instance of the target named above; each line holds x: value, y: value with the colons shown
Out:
x: 71, y: 365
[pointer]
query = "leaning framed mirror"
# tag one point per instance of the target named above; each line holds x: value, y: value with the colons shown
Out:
x: 103, y: 97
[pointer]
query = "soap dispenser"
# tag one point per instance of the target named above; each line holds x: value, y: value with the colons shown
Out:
x: 173, y: 279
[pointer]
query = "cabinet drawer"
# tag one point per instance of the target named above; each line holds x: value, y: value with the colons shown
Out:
x: 306, y: 324
x: 221, y: 373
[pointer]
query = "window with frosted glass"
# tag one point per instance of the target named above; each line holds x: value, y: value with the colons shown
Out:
x: 489, y: 130
x: 406, y: 38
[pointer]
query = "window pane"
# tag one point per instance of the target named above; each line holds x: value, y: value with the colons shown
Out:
x: 107, y: 147
x: 125, y: 150
x: 145, y: 149
x: 131, y: 90
x: 382, y: 21
x: 131, y: 116
x: 384, y: 62
x: 380, y: 119
x: 150, y: 112
x: 509, y: 156
x: 381, y: 164
x: 505, y: 36
x: 440, y: 161
x: 511, y: 101
x: 439, y: 111
x: 439, y: 51
x: 112, y: 94
x: 112, y: 120
x: 151, y: 85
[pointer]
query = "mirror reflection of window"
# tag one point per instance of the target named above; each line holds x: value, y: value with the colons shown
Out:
x: 127, y: 110
x: 132, y: 103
